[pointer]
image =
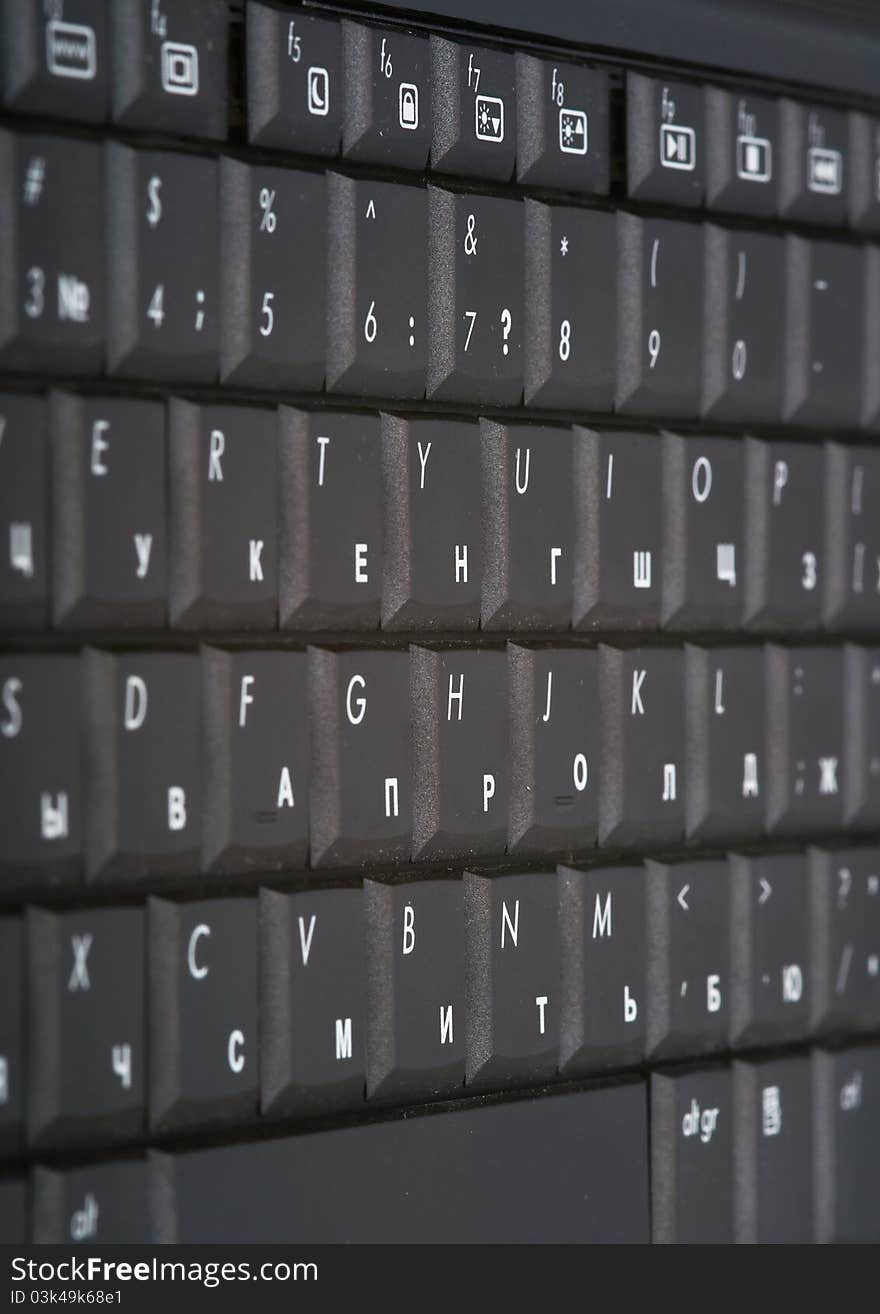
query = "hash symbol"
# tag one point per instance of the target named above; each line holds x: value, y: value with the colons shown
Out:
x: 34, y: 179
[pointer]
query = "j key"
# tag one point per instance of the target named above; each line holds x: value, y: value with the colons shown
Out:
x: 433, y: 524
x: 845, y: 895
x: 864, y: 172
x: 570, y: 343
x: 142, y: 726
x: 13, y: 1211
x: 294, y: 80
x: 24, y: 512
x: 108, y: 494
x: 170, y: 69
x: 377, y: 328
x: 774, y: 1151
x: 824, y: 299
x: 602, y: 930
x: 689, y: 981
x: 256, y: 760
x: 743, y: 361
x: 312, y: 1000
x: 814, y: 167
x: 852, y: 578
x: 704, y: 528
x: 743, y: 160
x: 415, y: 975
x: 102, y: 1203
x: 224, y: 516
x: 847, y: 1118
x: 361, y: 770
x: 554, y: 746
x: 660, y: 316
x: 52, y: 264
x: 771, y: 999
x: 331, y: 520
x: 666, y: 147
x: 806, y: 766
x: 862, y: 730
x: 460, y: 752
x: 12, y: 1034
x: 204, y: 1065
x: 725, y: 710
x: 562, y: 125
x: 273, y: 293
x: 86, y: 1008
x: 512, y: 974
x: 56, y: 59
x: 529, y: 526
x: 39, y: 769
x: 387, y: 116
x: 642, y: 776
x: 474, y: 110
x: 163, y: 239
x: 785, y: 565
x: 692, y: 1157
x: 618, y: 530
x: 475, y: 286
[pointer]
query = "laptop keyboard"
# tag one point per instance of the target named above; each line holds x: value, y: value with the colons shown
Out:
x: 440, y: 670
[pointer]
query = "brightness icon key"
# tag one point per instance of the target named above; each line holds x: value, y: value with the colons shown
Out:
x: 573, y: 131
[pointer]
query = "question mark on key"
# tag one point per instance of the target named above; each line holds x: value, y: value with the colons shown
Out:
x: 506, y: 322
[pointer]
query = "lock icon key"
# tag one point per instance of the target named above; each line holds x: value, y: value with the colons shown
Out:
x: 408, y: 105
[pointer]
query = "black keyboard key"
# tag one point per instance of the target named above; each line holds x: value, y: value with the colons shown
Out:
x: 725, y: 709
x: 814, y: 169
x: 743, y: 155
x: 98, y: 1204
x: 560, y: 1168
x: 528, y: 526
x: 743, y: 359
x: 785, y: 563
x: 170, y: 69
x: 554, y: 748
x: 562, y: 125
x: 224, y: 516
x: 864, y: 173
x: 108, y: 496
x: 56, y: 58
x: 143, y: 738
x: 852, y: 501
x: 692, y: 1158
x: 871, y: 376
x: 204, y: 1064
x: 273, y: 292
x: 24, y: 513
x: 848, y: 1146
x: 86, y: 1007
x: 474, y: 110
x: 602, y: 920
x: 665, y: 140
x: 660, y: 316
x: 387, y: 115
x: 824, y: 309
x: 52, y: 263
x: 475, y: 292
x: 774, y: 1151
x: 415, y: 976
x: 570, y: 340
x: 331, y: 520
x: 460, y: 752
x: 862, y: 736
x: 361, y: 768
x: 294, y: 80
x: 13, y: 1211
x: 806, y: 765
x: 163, y: 239
x: 377, y: 328
x: 256, y: 786
x: 845, y: 897
x: 433, y: 524
x: 312, y: 1000
x: 40, y: 772
x: 771, y: 1000
x: 642, y: 773
x: 512, y: 976
x: 12, y: 1034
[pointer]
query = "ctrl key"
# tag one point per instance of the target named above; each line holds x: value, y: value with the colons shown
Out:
x: 692, y: 1157
x: 847, y: 1095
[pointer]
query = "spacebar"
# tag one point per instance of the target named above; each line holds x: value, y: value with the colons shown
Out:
x: 569, y: 1167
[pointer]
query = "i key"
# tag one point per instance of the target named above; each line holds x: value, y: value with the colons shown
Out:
x: 806, y: 766
x: 845, y: 897
x: 475, y: 292
x: 692, y: 1157
x: 12, y: 1034
x: 387, y: 116
x: 313, y: 1027
x: 299, y: 106
x: 416, y: 979
x: 785, y: 566
x: 24, y: 513
x: 86, y: 1009
x: 377, y: 326
x: 474, y: 114
x: 204, y: 1063
x: 512, y: 978
x: 56, y: 60
x: 725, y: 742
x: 852, y: 502
x: 163, y: 240
x: 773, y: 1103
x: 108, y: 496
x: 824, y: 300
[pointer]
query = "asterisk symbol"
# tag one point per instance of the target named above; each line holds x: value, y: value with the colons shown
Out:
x: 563, y: 246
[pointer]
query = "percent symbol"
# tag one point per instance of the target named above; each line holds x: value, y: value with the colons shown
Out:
x: 269, y: 219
